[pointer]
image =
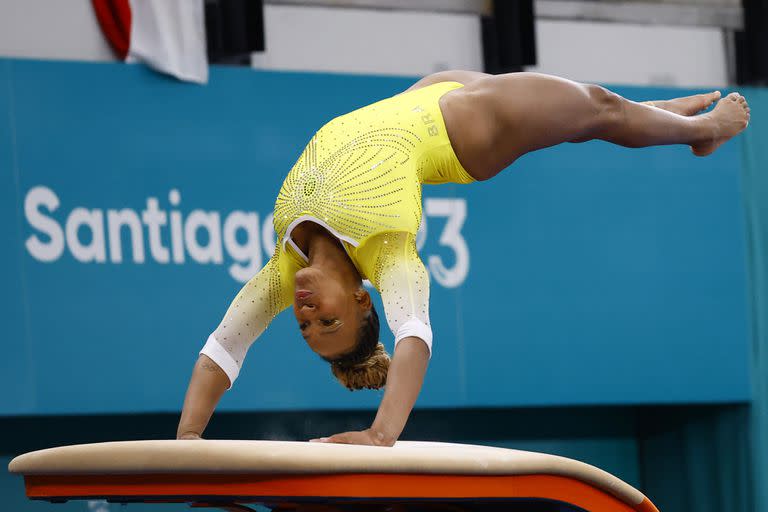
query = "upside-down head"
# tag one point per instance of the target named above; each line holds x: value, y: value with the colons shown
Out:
x: 341, y: 325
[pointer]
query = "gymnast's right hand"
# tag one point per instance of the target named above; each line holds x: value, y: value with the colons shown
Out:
x: 207, y: 385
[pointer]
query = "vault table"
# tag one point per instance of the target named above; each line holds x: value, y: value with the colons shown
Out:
x: 319, y: 476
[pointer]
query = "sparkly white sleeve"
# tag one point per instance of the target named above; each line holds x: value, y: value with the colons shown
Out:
x: 403, y: 283
x: 251, y: 311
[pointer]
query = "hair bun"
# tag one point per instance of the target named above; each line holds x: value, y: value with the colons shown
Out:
x: 368, y: 374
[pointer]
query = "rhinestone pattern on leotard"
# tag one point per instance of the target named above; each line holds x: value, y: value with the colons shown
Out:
x: 358, y: 189
x: 401, y: 279
x: 257, y: 303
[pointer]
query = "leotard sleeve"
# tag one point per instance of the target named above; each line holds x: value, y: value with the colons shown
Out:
x: 253, y: 308
x: 399, y: 275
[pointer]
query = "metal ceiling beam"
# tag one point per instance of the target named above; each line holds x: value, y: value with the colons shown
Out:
x: 646, y: 13
x: 454, y: 6
x: 725, y: 14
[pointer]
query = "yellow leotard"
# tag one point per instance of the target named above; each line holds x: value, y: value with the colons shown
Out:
x: 359, y: 177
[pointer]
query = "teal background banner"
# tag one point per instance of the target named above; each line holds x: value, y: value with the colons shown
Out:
x: 133, y: 206
x: 755, y: 190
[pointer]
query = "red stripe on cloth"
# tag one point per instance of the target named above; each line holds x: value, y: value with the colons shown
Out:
x: 115, y: 19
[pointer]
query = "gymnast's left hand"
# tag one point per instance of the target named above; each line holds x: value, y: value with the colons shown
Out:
x: 404, y: 379
x: 364, y: 437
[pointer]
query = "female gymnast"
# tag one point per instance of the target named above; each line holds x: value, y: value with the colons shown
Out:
x: 351, y: 206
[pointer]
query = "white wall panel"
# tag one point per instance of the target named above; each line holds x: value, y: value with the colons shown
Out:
x: 353, y: 40
x: 51, y: 29
x: 369, y: 41
x: 617, y: 53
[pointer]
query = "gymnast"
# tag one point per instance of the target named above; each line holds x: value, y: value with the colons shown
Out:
x: 350, y: 209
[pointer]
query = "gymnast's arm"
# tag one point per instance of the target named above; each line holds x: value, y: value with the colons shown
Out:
x: 404, y: 380
x: 220, y: 360
x: 404, y: 286
x: 206, y: 387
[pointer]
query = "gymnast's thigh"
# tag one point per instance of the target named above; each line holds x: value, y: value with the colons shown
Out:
x: 496, y: 120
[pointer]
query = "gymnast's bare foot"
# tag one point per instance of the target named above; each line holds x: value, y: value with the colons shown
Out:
x: 730, y: 116
x: 687, y: 105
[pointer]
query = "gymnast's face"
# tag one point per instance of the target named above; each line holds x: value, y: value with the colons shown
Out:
x: 328, y: 314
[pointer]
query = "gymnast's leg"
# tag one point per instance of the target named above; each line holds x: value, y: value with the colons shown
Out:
x: 686, y: 105
x: 495, y: 120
